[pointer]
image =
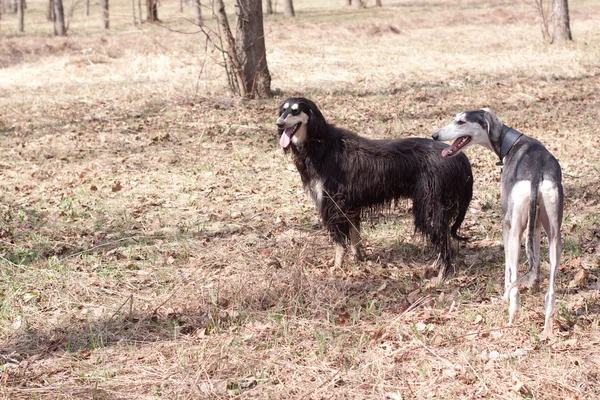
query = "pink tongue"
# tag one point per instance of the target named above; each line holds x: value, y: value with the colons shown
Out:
x: 453, y: 148
x: 285, y: 139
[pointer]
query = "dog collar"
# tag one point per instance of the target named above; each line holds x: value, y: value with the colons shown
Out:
x: 508, y: 139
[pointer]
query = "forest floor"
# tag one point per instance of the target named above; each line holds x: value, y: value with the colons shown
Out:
x: 155, y: 241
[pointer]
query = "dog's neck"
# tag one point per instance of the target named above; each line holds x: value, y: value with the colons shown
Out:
x: 508, y: 138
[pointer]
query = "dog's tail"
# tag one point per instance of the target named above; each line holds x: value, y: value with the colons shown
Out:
x: 463, y: 206
x: 531, y: 277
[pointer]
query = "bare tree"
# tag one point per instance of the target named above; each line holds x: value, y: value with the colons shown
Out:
x: 133, y: 11
x: 561, y: 29
x: 180, y: 6
x: 288, y: 9
x: 245, y: 57
x: 21, y: 15
x: 558, y: 14
x: 152, y: 7
x: 269, y: 9
x: 86, y: 8
x: 105, y: 14
x: 140, y: 10
x: 235, y: 72
x: 358, y: 4
x: 59, y: 19
x: 50, y: 14
x: 251, y: 48
x: 198, y: 9
x: 378, y: 3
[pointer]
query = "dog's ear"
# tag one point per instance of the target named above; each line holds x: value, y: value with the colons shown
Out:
x: 487, y: 122
x: 484, y: 119
x: 316, y: 121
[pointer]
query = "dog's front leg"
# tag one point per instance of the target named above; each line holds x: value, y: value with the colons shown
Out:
x: 356, y: 240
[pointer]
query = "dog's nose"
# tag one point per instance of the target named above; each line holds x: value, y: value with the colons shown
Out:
x: 435, y: 136
x: 280, y: 123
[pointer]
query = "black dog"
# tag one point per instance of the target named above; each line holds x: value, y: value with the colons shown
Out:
x: 347, y: 174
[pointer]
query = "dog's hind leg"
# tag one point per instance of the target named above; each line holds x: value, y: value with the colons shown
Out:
x: 551, y: 218
x: 512, y: 243
x: 445, y: 257
x: 514, y: 224
x: 531, y: 278
x: 533, y: 256
x: 340, y: 251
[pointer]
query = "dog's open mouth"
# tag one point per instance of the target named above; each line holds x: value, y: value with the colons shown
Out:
x: 456, y: 146
x: 286, y: 136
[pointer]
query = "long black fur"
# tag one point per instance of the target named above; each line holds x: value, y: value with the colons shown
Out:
x: 360, y: 174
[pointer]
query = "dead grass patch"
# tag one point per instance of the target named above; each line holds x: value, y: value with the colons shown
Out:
x: 155, y: 242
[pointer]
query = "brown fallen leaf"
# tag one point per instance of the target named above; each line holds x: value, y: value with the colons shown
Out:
x: 117, y: 187
x: 579, y: 279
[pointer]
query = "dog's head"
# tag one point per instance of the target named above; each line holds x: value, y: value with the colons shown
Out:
x: 468, y: 127
x: 299, y: 121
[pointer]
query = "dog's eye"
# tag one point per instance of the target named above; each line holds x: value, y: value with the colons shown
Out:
x: 295, y: 111
x: 460, y: 122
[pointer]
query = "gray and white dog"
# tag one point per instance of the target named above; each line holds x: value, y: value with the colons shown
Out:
x: 531, y: 194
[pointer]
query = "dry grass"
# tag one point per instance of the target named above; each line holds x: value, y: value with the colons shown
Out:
x: 155, y: 243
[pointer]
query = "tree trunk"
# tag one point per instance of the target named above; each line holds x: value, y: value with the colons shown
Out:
x: 251, y: 48
x: 288, y: 9
x: 560, y: 21
x: 358, y: 4
x: 59, y: 19
x: 152, y: 6
x: 235, y: 73
x: 198, y: 9
x: 21, y: 15
x: 86, y: 8
x: 50, y: 15
x: 378, y: 3
x: 269, y: 9
x: 140, y: 11
x: 133, y: 12
x: 105, y: 14
x: 180, y: 6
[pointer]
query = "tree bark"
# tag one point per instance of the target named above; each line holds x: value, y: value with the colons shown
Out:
x: 269, y: 9
x: 86, y: 8
x: 140, y: 11
x: 21, y: 15
x: 198, y: 9
x: 358, y: 4
x: 152, y: 6
x: 251, y: 48
x: 378, y: 3
x: 50, y: 15
x: 235, y: 73
x: 288, y: 9
x: 133, y: 12
x: 105, y: 14
x: 560, y: 21
x: 180, y: 6
x: 59, y: 19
